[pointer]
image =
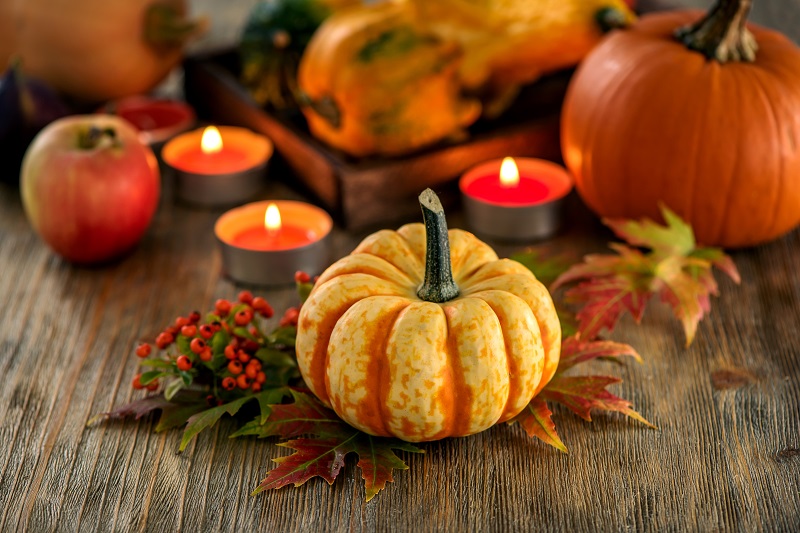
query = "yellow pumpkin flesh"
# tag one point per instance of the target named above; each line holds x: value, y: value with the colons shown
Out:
x: 392, y: 364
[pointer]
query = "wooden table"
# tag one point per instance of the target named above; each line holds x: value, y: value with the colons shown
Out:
x: 726, y: 457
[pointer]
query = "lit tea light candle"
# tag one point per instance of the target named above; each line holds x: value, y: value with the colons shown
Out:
x: 265, y: 243
x: 515, y: 200
x: 218, y: 165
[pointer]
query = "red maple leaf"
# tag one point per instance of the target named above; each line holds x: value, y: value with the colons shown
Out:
x: 322, y: 452
x: 674, y: 268
x: 579, y: 394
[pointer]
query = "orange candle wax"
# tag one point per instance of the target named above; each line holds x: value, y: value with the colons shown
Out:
x: 217, y: 151
x: 260, y: 238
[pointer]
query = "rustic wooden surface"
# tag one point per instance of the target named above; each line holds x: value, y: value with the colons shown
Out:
x: 726, y: 457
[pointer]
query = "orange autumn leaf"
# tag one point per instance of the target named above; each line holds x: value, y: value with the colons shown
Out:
x: 673, y: 267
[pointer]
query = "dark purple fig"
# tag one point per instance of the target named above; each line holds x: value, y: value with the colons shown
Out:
x: 26, y: 106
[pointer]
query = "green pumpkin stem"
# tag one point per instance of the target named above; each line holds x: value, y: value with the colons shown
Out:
x: 438, y: 286
x: 722, y: 34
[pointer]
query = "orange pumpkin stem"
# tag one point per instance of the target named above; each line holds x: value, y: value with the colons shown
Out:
x: 439, y: 285
x: 722, y: 34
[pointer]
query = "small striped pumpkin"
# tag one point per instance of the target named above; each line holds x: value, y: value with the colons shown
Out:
x: 402, y: 338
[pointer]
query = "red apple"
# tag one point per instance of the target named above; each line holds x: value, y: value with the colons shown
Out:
x: 89, y: 187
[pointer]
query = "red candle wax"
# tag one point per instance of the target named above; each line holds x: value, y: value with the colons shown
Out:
x: 528, y: 191
x: 287, y: 237
x: 228, y: 160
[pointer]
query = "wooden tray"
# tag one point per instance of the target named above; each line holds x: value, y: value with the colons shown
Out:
x: 367, y: 192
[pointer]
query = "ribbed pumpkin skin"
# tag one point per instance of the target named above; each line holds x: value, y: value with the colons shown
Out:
x: 391, y: 364
x: 647, y: 121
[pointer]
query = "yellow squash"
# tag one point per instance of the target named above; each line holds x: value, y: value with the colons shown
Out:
x: 513, y: 42
x: 376, y: 83
x: 405, y: 338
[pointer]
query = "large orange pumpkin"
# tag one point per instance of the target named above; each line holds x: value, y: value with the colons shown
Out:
x: 402, y: 342
x: 95, y: 50
x: 702, y: 122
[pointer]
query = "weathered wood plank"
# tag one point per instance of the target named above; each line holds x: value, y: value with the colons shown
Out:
x: 727, y: 455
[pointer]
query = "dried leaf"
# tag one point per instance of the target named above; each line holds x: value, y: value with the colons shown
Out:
x: 305, y: 416
x: 536, y: 420
x: 171, y: 409
x: 673, y: 268
x: 324, y: 457
x: 582, y: 394
x: 575, y: 351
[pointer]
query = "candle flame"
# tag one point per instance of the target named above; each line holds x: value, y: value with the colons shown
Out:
x: 509, y: 174
x: 272, y: 218
x: 211, y: 141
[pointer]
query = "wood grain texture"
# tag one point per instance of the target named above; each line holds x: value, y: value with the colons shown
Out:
x: 726, y: 457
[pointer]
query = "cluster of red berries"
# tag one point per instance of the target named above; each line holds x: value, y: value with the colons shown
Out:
x: 227, y: 351
x: 236, y: 364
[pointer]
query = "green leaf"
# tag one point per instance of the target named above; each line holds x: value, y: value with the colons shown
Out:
x: 184, y: 344
x: 284, y: 336
x: 676, y: 238
x: 173, y: 388
x: 546, y: 269
x: 186, y: 376
x: 274, y: 357
x: 244, y: 333
x: 209, y: 417
x: 148, y: 377
x: 219, y: 341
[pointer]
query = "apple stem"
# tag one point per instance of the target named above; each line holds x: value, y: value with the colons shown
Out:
x: 93, y: 137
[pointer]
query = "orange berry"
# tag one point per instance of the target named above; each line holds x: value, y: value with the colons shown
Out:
x: 181, y: 321
x: 207, y: 354
x: 153, y: 385
x: 136, y: 382
x: 189, y: 331
x: 301, y: 277
x: 261, y: 377
x: 228, y: 383
x: 256, y: 386
x: 230, y: 352
x: 164, y: 339
x: 197, y: 345
x: 243, y: 356
x: 246, y: 297
x: 143, y: 350
x: 223, y: 307
x: 243, y: 382
x: 235, y: 367
x: 184, y: 363
x: 251, y: 372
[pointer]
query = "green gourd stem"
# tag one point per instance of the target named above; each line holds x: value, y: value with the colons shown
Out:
x: 722, y: 35
x: 93, y: 137
x: 438, y: 286
x: 166, y: 25
x: 611, y: 18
